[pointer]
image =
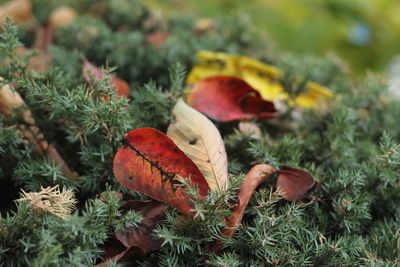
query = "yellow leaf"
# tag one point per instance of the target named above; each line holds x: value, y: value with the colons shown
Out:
x: 212, y: 63
x: 313, y: 94
x: 261, y: 76
x: 201, y: 141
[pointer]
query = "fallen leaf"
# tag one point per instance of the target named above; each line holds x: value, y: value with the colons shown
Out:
x: 153, y: 212
x: 201, y: 141
x: 211, y: 64
x: 115, y: 251
x: 227, y: 98
x: 91, y: 71
x: 151, y: 163
x: 294, y: 183
x: 256, y: 176
x: 136, y: 242
x: 264, y: 78
x: 313, y: 95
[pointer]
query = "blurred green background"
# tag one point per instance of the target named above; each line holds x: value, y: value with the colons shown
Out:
x: 364, y: 33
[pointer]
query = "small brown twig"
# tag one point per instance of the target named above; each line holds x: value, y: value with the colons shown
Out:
x: 11, y: 102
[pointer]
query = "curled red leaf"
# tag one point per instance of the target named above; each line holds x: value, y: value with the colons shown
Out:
x: 151, y: 163
x: 294, y: 183
x: 256, y: 176
x: 227, y: 98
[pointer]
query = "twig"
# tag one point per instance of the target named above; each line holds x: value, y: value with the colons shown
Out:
x: 10, y: 101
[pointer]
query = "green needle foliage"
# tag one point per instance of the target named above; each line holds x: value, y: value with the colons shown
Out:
x: 352, y: 147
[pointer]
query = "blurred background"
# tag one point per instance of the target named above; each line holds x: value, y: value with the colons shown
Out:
x: 364, y: 33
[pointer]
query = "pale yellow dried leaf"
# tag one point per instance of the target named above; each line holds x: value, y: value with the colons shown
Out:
x: 201, y: 141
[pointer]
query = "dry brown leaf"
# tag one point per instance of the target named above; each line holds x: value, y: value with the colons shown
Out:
x: 153, y: 212
x: 293, y: 184
x: 115, y: 251
x: 201, y: 141
x: 126, y: 247
x: 256, y: 176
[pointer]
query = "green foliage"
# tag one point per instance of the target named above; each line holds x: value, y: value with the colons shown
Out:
x: 352, y: 147
x: 96, y: 40
x: 39, y: 172
x: 45, y: 240
x: 9, y: 42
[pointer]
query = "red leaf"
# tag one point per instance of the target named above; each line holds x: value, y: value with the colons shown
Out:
x: 256, y: 176
x: 152, y: 164
x: 294, y: 183
x: 90, y: 70
x: 227, y: 98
